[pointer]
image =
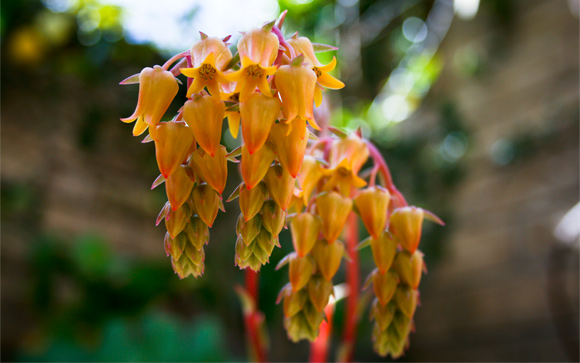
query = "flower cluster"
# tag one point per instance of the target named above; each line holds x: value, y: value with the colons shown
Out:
x: 268, y: 88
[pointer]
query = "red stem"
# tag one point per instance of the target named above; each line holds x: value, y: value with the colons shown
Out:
x: 352, y: 280
x: 319, y: 348
x: 399, y: 199
x: 254, y: 319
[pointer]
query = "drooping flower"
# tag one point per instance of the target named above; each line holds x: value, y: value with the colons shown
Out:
x: 302, y: 45
x: 205, y: 115
x: 209, y: 57
x: 258, y: 115
x: 258, y: 49
x: 157, y: 88
x: 296, y: 84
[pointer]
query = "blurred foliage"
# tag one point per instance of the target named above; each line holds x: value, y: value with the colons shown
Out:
x: 94, y: 305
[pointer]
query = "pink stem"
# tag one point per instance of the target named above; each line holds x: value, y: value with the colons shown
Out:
x: 252, y: 320
x: 172, y: 60
x: 399, y: 199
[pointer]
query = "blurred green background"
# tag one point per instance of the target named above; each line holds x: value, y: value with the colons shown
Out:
x: 474, y: 105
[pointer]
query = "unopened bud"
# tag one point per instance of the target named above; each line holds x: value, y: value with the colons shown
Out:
x: 205, y: 115
x: 300, y: 271
x: 319, y: 291
x: 280, y: 185
x: 290, y: 140
x: 384, y: 248
x: 333, y: 209
x: 255, y: 166
x: 385, y: 285
x: 211, y: 169
x: 406, y: 223
x: 197, y: 232
x: 175, y: 221
x: 258, y: 115
x: 406, y: 299
x: 206, y: 202
x: 372, y: 204
x: 178, y: 187
x: 409, y: 267
x: 328, y: 257
x: 251, y: 200
x: 172, y: 143
x: 305, y: 228
x: 273, y: 217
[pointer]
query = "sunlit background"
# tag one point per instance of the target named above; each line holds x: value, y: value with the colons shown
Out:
x: 474, y: 105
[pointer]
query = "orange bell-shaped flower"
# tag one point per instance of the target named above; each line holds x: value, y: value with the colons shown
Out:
x: 351, y: 148
x: 328, y: 257
x: 209, y: 57
x: 301, y: 268
x: 255, y: 166
x: 409, y: 267
x: 304, y: 228
x: 333, y: 209
x: 372, y: 205
x: 157, y: 88
x: 302, y: 45
x: 206, y: 202
x: 406, y: 223
x: 211, y: 169
x: 251, y: 200
x: 290, y: 141
x: 205, y: 115
x: 385, y: 285
x: 172, y: 143
x: 178, y: 187
x: 296, y: 84
x: 384, y: 249
x: 258, y: 115
x: 280, y: 185
x: 175, y: 221
x: 258, y: 49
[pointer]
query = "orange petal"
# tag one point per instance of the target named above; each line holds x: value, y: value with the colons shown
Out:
x: 255, y: 167
x: 205, y: 115
x: 258, y: 115
x: 172, y: 142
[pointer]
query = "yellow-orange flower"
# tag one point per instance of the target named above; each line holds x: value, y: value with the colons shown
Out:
x: 302, y: 45
x: 157, y: 88
x: 258, y: 49
x: 209, y: 57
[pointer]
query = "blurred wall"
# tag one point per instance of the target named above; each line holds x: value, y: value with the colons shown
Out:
x: 497, y: 293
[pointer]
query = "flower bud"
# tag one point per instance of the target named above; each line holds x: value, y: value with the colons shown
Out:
x: 385, y: 285
x: 206, y: 202
x: 255, y: 166
x: 319, y: 291
x: 178, y: 187
x: 300, y: 271
x: 172, y: 142
x: 384, y: 248
x: 250, y: 229
x: 333, y: 209
x: 310, y: 174
x: 243, y: 252
x: 296, y: 85
x: 211, y: 169
x: 175, y: 246
x: 266, y: 244
x: 328, y: 257
x: 280, y: 185
x: 406, y: 223
x: 259, y: 46
x: 383, y: 314
x: 258, y: 115
x: 157, y: 88
x: 175, y: 221
x: 294, y: 302
x: 290, y: 141
x: 273, y: 217
x: 402, y: 324
x: 197, y: 232
x: 205, y: 116
x: 372, y: 205
x: 305, y: 228
x: 251, y: 200
x: 406, y: 299
x: 409, y: 267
